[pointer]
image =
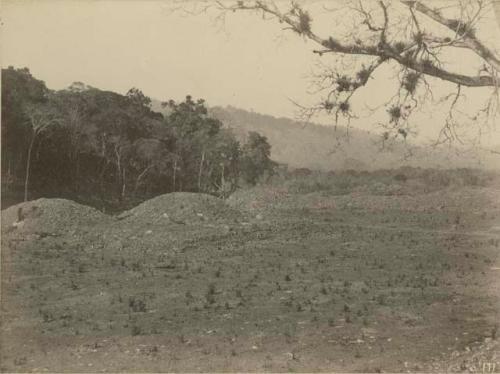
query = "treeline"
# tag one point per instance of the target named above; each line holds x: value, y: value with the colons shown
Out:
x: 112, y: 150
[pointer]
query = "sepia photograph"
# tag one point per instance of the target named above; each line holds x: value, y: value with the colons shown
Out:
x: 250, y: 186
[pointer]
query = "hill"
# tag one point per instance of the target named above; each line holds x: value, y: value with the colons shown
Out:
x: 320, y: 147
x: 313, y: 146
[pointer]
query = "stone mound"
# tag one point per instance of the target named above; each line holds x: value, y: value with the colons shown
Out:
x: 50, y: 216
x: 182, y: 208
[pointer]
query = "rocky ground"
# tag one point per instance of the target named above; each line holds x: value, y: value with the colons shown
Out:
x: 269, y: 280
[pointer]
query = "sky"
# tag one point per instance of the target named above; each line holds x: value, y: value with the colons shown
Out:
x: 114, y: 45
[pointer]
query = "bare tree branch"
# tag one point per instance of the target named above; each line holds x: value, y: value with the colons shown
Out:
x: 396, y: 34
x: 465, y: 31
x: 296, y: 23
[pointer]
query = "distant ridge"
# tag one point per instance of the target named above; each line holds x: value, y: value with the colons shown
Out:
x: 319, y: 147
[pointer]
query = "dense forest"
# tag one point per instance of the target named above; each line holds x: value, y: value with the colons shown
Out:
x: 111, y: 151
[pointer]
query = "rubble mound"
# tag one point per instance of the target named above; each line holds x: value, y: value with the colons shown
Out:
x: 50, y: 215
x: 182, y: 208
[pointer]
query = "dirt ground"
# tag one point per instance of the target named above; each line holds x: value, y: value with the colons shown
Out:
x: 268, y: 281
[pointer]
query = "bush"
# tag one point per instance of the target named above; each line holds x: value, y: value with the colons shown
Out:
x: 400, y: 178
x: 380, y: 182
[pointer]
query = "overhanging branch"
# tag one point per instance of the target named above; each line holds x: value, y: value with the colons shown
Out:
x: 383, y: 50
x: 467, y: 36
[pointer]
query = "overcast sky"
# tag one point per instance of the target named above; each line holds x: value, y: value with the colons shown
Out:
x: 115, y: 45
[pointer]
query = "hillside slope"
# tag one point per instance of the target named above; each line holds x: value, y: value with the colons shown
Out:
x: 322, y: 147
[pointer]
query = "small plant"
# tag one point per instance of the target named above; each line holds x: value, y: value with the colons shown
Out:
x: 81, y: 268
x: 381, y: 299
x: 395, y: 113
x: 418, y: 38
x: 344, y: 107
x: 136, y: 330
x: 363, y: 75
x: 410, y: 81
x: 210, y: 295
x: 47, y: 316
x: 137, y: 305
x: 19, y: 361
x: 304, y: 26
x: 328, y: 105
x: 136, y: 266
x: 343, y: 84
x: 400, y: 178
x: 331, y: 43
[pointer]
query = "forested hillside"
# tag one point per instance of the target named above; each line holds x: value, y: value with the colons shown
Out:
x: 313, y: 146
x: 111, y: 150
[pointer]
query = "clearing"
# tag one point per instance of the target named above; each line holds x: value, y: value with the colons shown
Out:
x: 269, y: 280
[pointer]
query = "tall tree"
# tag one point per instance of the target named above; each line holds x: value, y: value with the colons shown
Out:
x: 19, y: 89
x: 72, y: 105
x: 256, y: 158
x: 138, y: 97
x: 223, y: 166
x: 195, y: 132
x: 40, y: 119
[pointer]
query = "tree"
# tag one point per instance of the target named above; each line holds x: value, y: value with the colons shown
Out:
x: 256, y: 158
x: 138, y: 98
x: 151, y: 158
x: 195, y: 132
x: 114, y: 124
x: 40, y: 119
x: 73, y: 107
x: 19, y: 89
x: 418, y: 40
x: 95, y: 146
x: 223, y: 168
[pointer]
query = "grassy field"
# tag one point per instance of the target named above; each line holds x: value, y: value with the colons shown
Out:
x: 277, y: 278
